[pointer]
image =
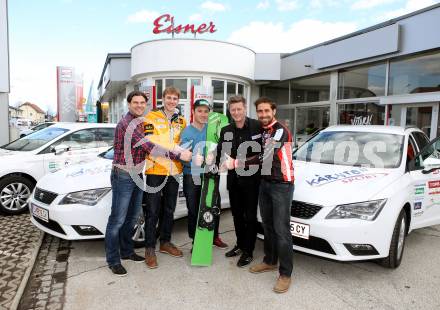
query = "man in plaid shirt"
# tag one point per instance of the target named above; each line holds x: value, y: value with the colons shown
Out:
x: 128, y: 161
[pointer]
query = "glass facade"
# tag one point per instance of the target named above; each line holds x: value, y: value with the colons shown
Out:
x: 309, y: 120
x: 362, y: 82
x: 310, y: 89
x: 417, y: 74
x: 222, y: 91
x: 279, y: 92
x: 368, y: 113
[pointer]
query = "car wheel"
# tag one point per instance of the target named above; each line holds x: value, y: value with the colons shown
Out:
x: 139, y: 232
x: 397, y: 244
x: 14, y: 193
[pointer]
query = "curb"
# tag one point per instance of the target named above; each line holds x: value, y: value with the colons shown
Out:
x: 27, y: 274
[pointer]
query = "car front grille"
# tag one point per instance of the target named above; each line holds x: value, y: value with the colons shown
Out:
x: 304, y: 210
x: 314, y: 243
x: 44, y: 196
x: 52, y: 225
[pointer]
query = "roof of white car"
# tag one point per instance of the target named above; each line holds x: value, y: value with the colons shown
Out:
x: 74, y: 126
x: 368, y: 128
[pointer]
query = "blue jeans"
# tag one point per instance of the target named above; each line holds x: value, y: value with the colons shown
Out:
x: 192, y: 194
x: 275, y: 203
x: 152, y: 210
x: 126, y: 204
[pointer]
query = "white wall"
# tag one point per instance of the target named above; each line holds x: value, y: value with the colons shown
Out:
x: 171, y: 55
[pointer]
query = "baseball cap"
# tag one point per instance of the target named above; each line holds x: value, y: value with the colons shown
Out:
x: 202, y: 102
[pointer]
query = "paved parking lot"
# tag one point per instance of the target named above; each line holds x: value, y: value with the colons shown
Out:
x: 19, y: 243
x: 317, y: 284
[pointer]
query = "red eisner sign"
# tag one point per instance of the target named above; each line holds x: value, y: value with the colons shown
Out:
x: 165, y: 23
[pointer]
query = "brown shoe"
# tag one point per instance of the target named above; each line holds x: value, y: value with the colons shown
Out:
x: 282, y: 285
x: 262, y: 267
x: 170, y: 249
x: 151, y: 259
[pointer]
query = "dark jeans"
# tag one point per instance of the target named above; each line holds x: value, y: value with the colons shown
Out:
x: 243, y: 198
x: 192, y: 194
x: 275, y: 202
x: 126, y: 204
x: 168, y: 194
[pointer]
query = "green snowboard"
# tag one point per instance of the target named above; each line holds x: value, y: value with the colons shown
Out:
x: 202, y: 249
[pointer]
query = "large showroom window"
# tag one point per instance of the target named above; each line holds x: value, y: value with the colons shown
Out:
x: 368, y: 113
x: 309, y: 120
x: 279, y: 92
x: 417, y: 74
x: 223, y: 90
x: 310, y: 89
x: 362, y: 82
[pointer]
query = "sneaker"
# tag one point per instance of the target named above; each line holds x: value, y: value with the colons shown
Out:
x: 170, y: 249
x: 234, y: 252
x: 219, y: 243
x: 262, y: 267
x: 118, y: 270
x: 134, y: 257
x: 150, y: 258
x: 282, y: 285
x: 245, y: 259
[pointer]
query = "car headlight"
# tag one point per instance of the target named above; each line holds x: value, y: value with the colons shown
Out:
x: 88, y: 197
x: 367, y: 210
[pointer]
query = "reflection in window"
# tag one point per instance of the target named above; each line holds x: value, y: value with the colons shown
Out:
x: 279, y: 92
x: 418, y: 74
x: 310, y: 89
x: 419, y: 117
x: 368, y: 113
x: 218, y: 86
x: 221, y: 88
x: 180, y: 84
x: 361, y: 82
x: 309, y: 120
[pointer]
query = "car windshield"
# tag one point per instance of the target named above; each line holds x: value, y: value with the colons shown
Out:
x: 108, y: 154
x: 35, y: 140
x: 351, y: 148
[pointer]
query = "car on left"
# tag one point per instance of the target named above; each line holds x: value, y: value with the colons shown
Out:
x: 26, y: 160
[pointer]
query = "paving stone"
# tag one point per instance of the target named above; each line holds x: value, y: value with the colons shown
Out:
x: 19, y: 239
x: 48, y: 279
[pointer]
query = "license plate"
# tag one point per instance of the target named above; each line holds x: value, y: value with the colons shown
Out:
x: 299, y: 230
x: 41, y: 213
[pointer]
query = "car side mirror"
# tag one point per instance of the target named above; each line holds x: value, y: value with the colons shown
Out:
x: 60, y: 149
x: 430, y: 164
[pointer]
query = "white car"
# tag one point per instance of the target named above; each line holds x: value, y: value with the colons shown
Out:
x: 26, y: 160
x: 360, y: 189
x: 75, y: 203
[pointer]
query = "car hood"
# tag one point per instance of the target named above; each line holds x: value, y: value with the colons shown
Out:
x: 95, y: 174
x: 7, y: 153
x: 330, y: 185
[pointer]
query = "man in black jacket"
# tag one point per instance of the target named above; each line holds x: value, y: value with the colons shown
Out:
x: 239, y: 140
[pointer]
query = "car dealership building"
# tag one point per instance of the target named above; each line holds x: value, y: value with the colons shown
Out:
x: 386, y: 74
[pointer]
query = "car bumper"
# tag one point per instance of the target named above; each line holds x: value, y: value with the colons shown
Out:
x: 65, y: 221
x: 334, y: 238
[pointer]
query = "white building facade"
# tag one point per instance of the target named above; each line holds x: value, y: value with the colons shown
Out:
x: 387, y: 74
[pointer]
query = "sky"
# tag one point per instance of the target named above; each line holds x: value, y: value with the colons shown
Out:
x: 80, y: 33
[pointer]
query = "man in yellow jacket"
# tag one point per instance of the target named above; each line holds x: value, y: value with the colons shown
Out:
x: 163, y: 127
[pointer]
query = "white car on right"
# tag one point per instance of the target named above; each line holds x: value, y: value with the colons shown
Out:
x: 359, y: 190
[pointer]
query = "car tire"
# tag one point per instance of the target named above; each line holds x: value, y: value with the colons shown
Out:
x: 139, y: 232
x: 397, y: 244
x: 14, y: 193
